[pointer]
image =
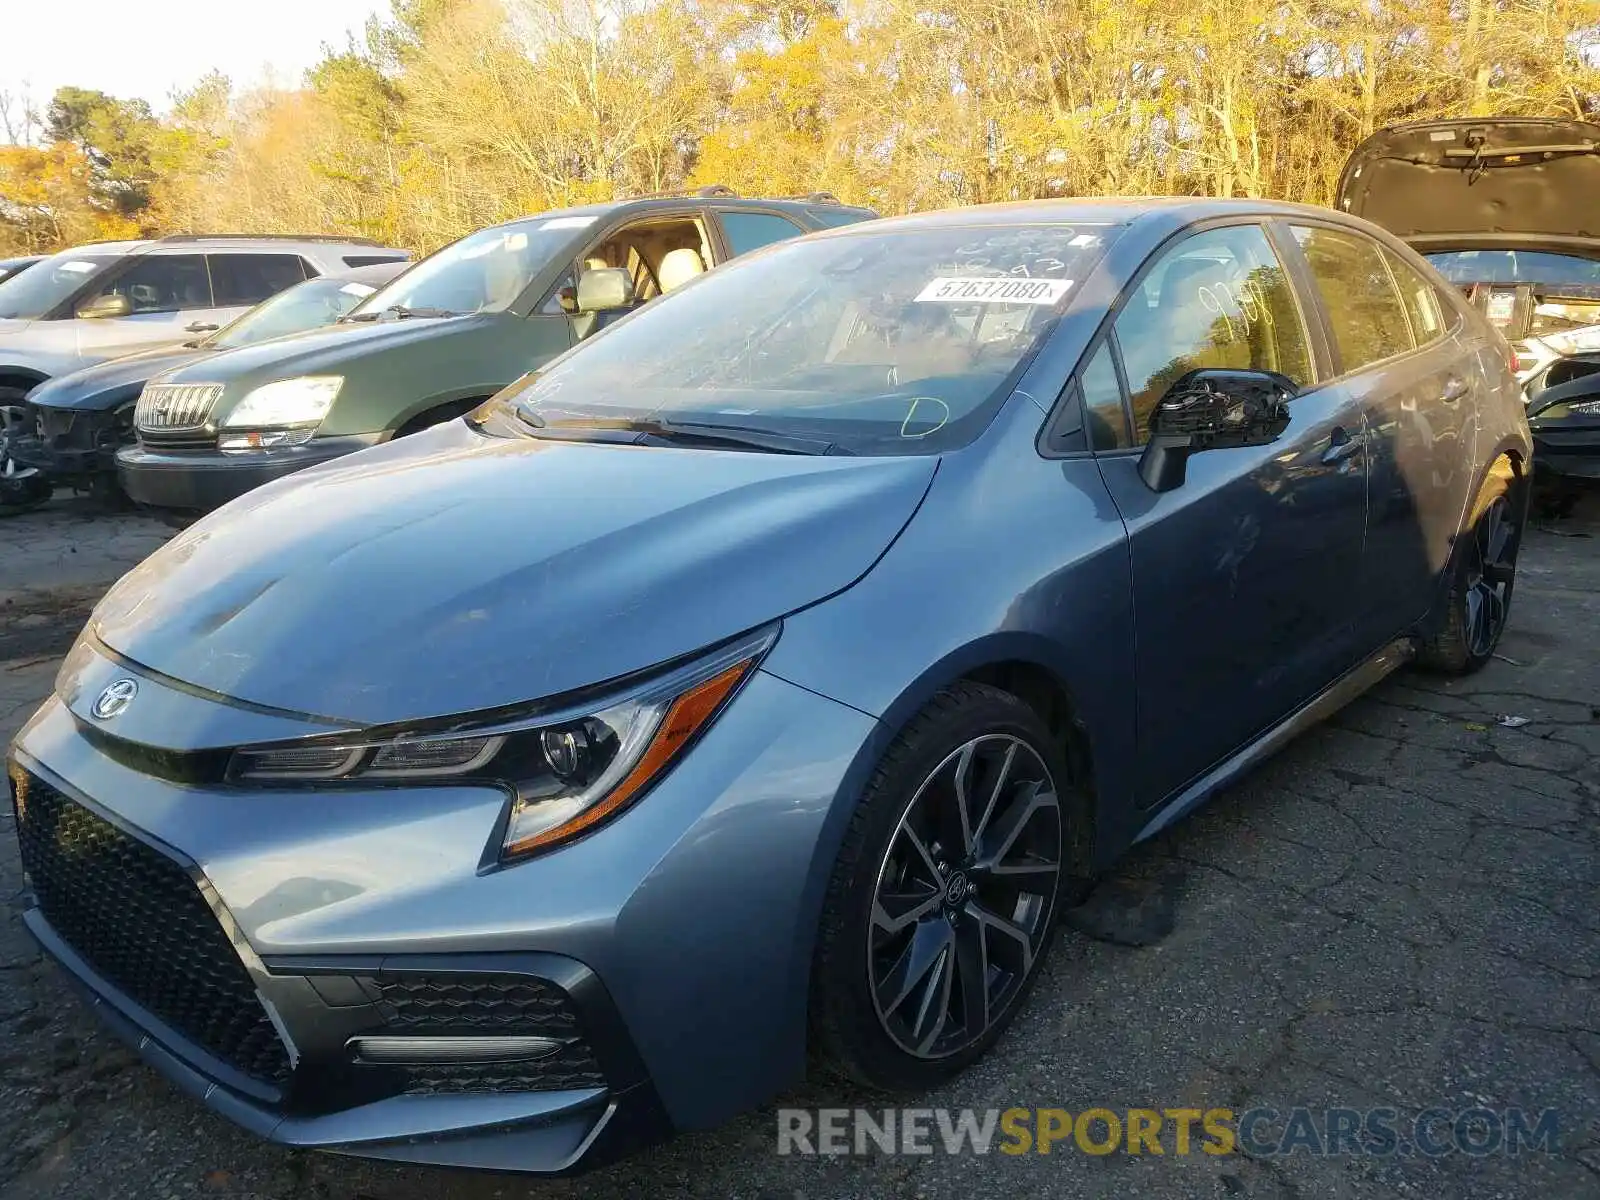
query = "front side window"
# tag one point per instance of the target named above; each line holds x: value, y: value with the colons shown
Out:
x: 1217, y: 299
x: 162, y: 283
x: 483, y: 272
x: 892, y: 342
x: 749, y: 231
x: 308, y: 305
x: 47, y: 284
x: 1364, y: 306
x: 251, y: 278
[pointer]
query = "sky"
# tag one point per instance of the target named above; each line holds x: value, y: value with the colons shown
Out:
x: 150, y: 48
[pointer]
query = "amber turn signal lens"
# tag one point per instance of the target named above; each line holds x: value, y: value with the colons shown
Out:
x: 686, y: 716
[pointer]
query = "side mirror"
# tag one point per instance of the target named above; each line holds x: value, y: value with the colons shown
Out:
x: 100, y: 307
x: 605, y: 289
x: 1213, y: 409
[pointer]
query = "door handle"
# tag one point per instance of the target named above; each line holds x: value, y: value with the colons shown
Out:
x: 199, y: 327
x: 1454, y: 389
x: 1342, y: 446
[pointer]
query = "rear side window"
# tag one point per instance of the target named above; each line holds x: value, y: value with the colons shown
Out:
x: 162, y: 283
x: 1364, y: 307
x: 1217, y: 299
x: 371, y: 260
x: 1420, y: 300
x: 749, y: 231
x: 832, y: 218
x: 251, y: 278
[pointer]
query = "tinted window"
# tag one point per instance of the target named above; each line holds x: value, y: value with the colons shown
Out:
x: 371, y: 260
x: 890, y: 342
x: 163, y: 283
x: 251, y: 278
x: 1363, y: 305
x: 832, y: 218
x: 1102, y: 402
x: 750, y: 231
x: 1420, y: 300
x: 39, y: 289
x: 1217, y: 299
x: 1515, y: 266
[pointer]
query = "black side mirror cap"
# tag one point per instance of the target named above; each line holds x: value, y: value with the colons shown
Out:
x: 1211, y: 409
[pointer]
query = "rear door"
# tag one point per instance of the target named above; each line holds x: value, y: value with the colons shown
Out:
x: 1419, y: 387
x: 241, y: 280
x: 1244, y: 576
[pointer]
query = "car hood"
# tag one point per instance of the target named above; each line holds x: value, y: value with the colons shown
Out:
x: 1536, y: 177
x: 449, y: 572
x: 318, y: 351
x: 108, y: 383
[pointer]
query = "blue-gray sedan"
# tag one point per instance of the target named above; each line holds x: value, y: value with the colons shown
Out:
x: 765, y: 675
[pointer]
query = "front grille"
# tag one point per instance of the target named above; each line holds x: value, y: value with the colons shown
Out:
x: 175, y: 405
x: 465, y: 1005
x: 137, y: 918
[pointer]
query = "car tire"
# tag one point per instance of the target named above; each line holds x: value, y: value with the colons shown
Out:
x: 18, y: 494
x: 1483, y: 574
x: 905, y: 893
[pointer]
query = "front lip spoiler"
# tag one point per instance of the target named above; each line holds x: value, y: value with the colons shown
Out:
x: 555, y: 1130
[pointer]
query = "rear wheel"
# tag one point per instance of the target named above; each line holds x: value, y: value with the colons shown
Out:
x: 1479, y: 604
x: 945, y: 894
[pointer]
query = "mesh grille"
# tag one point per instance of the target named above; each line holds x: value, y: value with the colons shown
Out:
x: 489, y: 1004
x: 137, y: 918
x: 175, y: 405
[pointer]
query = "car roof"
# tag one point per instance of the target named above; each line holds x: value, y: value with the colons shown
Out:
x: 373, y: 274
x: 1176, y: 211
x: 803, y: 205
x: 231, y: 241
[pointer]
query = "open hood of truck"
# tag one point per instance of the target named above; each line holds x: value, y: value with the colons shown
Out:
x: 1435, y: 182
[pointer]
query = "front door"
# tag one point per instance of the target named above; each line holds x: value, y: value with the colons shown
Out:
x: 1244, y: 576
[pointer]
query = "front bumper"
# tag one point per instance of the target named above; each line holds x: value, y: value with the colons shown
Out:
x: 674, y: 943
x: 71, y: 446
x: 1567, y: 448
x: 201, y: 480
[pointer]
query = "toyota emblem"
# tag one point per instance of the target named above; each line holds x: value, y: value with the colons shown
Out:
x: 115, y: 699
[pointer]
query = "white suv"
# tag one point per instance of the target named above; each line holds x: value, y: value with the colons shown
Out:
x: 107, y: 299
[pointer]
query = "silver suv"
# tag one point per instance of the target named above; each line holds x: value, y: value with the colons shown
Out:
x: 107, y: 299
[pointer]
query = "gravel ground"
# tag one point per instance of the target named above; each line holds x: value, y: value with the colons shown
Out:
x: 1399, y: 910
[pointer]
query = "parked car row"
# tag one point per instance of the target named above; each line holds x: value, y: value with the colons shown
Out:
x: 190, y: 435
x: 753, y: 681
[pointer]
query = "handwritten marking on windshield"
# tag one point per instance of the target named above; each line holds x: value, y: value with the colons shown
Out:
x: 911, y: 412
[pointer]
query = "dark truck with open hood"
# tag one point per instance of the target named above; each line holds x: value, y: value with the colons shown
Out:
x: 1508, y: 210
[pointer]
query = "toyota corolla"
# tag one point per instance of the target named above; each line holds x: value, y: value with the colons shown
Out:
x: 761, y: 679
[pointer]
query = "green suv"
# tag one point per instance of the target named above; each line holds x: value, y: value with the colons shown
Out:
x: 437, y: 341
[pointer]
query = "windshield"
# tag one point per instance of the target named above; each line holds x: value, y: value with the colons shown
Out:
x: 484, y: 272
x: 43, y: 286
x: 1516, y: 266
x: 889, y: 342
x: 308, y: 305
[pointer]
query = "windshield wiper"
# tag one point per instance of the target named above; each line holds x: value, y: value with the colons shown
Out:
x: 704, y: 434
x: 403, y: 313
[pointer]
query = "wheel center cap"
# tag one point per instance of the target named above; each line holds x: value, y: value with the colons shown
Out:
x: 957, y: 888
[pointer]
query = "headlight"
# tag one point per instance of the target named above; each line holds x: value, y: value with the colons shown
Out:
x: 302, y: 401
x: 567, y: 772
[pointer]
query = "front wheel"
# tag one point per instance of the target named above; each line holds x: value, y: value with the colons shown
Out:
x: 942, y: 903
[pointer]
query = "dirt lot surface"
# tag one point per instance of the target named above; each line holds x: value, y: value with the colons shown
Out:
x: 1399, y: 910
